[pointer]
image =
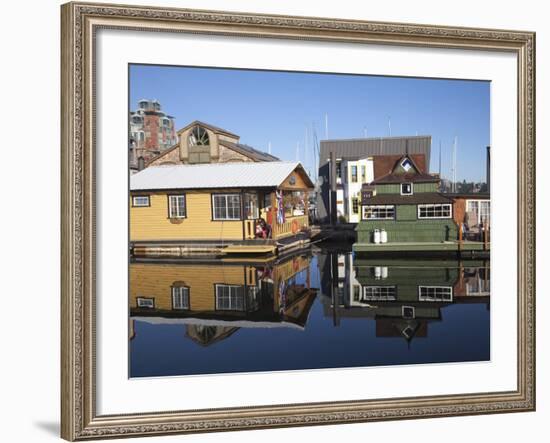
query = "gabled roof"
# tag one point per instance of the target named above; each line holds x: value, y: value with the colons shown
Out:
x: 405, y: 178
x: 213, y: 128
x: 249, y: 151
x: 216, y: 176
x: 416, y: 176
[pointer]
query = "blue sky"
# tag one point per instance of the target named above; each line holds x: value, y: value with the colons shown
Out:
x: 276, y: 107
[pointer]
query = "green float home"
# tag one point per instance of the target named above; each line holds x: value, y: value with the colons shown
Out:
x: 403, y: 210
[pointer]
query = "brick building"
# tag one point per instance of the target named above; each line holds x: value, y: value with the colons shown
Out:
x: 152, y: 131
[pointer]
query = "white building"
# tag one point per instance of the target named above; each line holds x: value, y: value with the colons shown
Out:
x: 351, y: 175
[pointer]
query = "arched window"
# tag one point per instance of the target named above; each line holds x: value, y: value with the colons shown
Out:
x: 199, y: 137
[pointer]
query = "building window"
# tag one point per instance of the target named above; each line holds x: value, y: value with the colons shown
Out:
x: 180, y: 297
x: 251, y: 206
x: 406, y: 188
x: 435, y: 293
x: 139, y: 201
x: 226, y: 206
x: 363, y: 174
x: 378, y: 212
x: 406, y: 164
x: 145, y: 302
x: 354, y: 174
x: 355, y: 205
x: 339, y: 170
x: 480, y: 209
x: 229, y: 298
x: 176, y: 206
x: 434, y: 211
x: 408, y: 312
x: 379, y: 293
x: 198, y: 137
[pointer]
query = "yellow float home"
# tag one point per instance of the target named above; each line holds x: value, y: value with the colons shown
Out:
x: 222, y: 208
x: 212, y: 299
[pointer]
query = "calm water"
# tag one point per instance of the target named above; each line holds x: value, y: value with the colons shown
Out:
x: 327, y: 310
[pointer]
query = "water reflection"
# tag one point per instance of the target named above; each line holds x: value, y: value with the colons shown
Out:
x: 308, y: 311
x: 401, y: 296
x: 213, y: 300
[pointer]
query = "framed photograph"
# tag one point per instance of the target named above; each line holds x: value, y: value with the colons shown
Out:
x: 277, y: 221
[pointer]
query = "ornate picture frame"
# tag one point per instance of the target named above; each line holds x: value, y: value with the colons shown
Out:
x: 80, y: 22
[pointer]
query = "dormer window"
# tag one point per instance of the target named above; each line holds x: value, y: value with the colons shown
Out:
x: 199, y: 137
x: 406, y: 164
x: 406, y: 188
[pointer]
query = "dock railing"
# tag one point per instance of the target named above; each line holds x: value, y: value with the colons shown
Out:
x: 291, y: 226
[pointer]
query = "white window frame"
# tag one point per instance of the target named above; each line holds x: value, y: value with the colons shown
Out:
x: 256, y: 212
x: 180, y: 298
x: 233, y: 296
x: 406, y: 193
x: 385, y: 293
x: 432, y: 205
x: 178, y: 207
x: 225, y: 196
x: 406, y: 160
x: 408, y: 307
x: 364, y: 207
x: 137, y: 205
x: 351, y: 180
x: 478, y: 211
x: 437, y: 297
x: 145, y: 302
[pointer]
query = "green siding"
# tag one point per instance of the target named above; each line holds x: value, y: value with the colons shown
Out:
x: 408, y: 230
x: 405, y: 212
x: 388, y: 189
x: 396, y: 188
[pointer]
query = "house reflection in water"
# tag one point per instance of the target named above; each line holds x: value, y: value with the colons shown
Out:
x: 402, y: 296
x: 214, y: 300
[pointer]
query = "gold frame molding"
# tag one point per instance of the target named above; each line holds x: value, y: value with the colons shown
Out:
x: 79, y: 22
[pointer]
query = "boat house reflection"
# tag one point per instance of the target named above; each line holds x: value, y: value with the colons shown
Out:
x: 402, y: 296
x: 213, y: 300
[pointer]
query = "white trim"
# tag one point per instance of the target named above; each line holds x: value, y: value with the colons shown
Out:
x: 143, y: 302
x: 401, y: 188
x: 227, y: 207
x: 136, y: 205
x: 389, y: 296
x: 408, y: 307
x: 406, y: 159
x: 181, y: 293
x: 436, y: 298
x: 232, y: 295
x: 486, y: 200
x: 379, y: 207
x: 178, y: 206
x: 426, y: 205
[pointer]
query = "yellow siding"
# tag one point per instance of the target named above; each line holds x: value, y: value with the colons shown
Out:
x: 299, y: 182
x: 152, y: 223
x: 147, y: 280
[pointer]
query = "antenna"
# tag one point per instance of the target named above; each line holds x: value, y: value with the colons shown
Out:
x: 439, y: 158
x: 389, y: 125
x: 326, y: 126
x: 454, y: 164
x: 269, y: 148
x: 365, y: 131
x: 305, y: 148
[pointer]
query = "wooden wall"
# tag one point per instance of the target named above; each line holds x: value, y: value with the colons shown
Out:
x: 152, y: 223
x: 155, y: 281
